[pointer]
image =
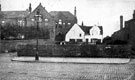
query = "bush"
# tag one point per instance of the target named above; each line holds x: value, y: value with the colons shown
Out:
x: 76, y: 50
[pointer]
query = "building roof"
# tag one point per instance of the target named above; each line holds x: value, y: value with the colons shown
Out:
x: 15, y: 14
x: 120, y: 34
x: 1, y: 15
x: 86, y: 29
x: 43, y: 12
x: 67, y: 14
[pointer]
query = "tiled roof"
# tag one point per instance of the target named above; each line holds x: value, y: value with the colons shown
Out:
x: 67, y: 14
x: 86, y: 29
x: 15, y: 14
x: 43, y: 12
x: 1, y: 15
x: 120, y: 35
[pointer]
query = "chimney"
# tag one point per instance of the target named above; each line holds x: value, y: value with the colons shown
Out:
x: 134, y: 15
x: 0, y: 7
x: 121, y: 22
x: 82, y: 23
x: 30, y: 8
x: 75, y: 11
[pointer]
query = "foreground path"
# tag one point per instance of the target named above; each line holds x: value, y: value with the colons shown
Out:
x: 64, y: 71
x: 72, y: 60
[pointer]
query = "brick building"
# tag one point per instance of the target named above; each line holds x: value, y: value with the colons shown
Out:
x: 55, y: 22
x: 126, y: 33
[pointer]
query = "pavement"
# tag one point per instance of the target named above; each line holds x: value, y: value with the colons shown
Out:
x: 72, y: 60
x: 16, y: 70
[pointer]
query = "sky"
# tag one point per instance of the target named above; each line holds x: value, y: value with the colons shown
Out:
x: 104, y: 13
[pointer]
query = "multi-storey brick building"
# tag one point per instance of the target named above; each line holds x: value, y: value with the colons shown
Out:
x: 55, y: 22
x: 126, y: 33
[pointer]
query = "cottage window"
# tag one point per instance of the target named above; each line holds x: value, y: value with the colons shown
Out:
x: 80, y: 35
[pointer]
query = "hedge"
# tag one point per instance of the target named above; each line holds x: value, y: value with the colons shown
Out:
x: 110, y: 51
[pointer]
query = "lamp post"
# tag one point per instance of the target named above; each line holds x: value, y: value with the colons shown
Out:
x: 38, y: 20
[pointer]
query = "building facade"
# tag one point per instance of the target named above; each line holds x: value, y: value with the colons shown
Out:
x: 43, y: 19
x: 126, y: 33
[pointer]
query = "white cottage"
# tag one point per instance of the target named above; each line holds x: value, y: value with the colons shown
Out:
x: 90, y: 34
x: 75, y: 34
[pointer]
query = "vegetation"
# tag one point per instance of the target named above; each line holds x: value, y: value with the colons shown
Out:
x: 99, y: 51
x: 9, y: 31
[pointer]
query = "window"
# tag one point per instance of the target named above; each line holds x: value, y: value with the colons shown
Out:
x: 87, y: 40
x: 80, y: 35
x: 60, y: 21
x: 46, y: 20
x: 20, y: 22
x: 69, y: 23
x: 63, y: 23
x: 72, y: 40
x: 3, y: 22
x: 40, y: 19
x: 32, y: 19
x: 79, y: 40
x: 60, y: 26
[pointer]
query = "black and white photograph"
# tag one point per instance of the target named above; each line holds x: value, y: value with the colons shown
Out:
x: 67, y: 39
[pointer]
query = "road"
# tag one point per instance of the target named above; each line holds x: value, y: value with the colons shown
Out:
x: 11, y: 70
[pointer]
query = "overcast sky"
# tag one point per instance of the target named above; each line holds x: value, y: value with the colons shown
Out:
x: 103, y: 12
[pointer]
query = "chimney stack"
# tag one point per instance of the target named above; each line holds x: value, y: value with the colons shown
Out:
x: 134, y: 15
x: 121, y: 22
x: 75, y: 11
x: 0, y: 7
x: 30, y: 8
x: 82, y: 23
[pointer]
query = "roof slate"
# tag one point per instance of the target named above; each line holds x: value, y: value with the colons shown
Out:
x: 67, y: 14
x: 15, y: 14
x: 43, y: 12
x: 87, y: 28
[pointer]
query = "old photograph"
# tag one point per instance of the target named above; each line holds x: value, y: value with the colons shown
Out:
x: 67, y: 39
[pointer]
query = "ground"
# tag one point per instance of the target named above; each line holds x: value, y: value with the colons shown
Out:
x: 12, y: 70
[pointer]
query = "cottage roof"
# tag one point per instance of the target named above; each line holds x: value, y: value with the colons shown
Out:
x: 86, y: 29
